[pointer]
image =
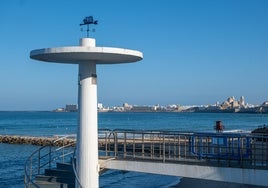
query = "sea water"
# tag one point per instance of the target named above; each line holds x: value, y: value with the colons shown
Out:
x: 13, y: 157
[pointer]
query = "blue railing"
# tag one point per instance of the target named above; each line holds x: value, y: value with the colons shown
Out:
x: 243, y: 150
x: 221, y: 146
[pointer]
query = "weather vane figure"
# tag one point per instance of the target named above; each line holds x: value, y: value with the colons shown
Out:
x: 87, y: 21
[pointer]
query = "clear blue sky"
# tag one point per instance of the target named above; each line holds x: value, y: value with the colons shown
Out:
x: 195, y: 52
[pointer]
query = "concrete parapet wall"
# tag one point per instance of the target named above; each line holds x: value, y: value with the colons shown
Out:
x: 250, y: 177
x: 39, y: 141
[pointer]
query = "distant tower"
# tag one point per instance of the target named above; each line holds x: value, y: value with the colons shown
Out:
x: 242, y: 101
x: 87, y: 55
x: 230, y: 99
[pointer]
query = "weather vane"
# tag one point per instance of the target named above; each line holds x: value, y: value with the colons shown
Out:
x: 87, y: 21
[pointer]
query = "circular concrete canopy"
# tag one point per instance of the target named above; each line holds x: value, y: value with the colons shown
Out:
x: 83, y: 54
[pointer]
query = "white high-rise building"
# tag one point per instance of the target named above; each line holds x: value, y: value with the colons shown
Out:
x: 242, y: 101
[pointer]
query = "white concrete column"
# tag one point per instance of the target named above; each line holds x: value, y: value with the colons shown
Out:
x: 87, y: 137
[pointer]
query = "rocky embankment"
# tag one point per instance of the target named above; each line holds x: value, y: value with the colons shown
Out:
x: 39, y: 141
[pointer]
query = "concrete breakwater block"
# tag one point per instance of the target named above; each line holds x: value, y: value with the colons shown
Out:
x: 39, y: 141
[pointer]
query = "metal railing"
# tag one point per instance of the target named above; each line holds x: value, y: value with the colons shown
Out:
x: 46, y: 157
x: 77, y: 179
x: 103, y: 134
x: 210, y: 149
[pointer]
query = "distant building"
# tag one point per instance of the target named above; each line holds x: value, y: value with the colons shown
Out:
x: 232, y: 103
x: 265, y: 104
x: 156, y: 107
x: 100, y: 106
x: 242, y: 101
x: 59, y: 110
x: 172, y: 107
x: 118, y: 109
x: 235, y: 104
x: 127, y: 107
x: 231, y: 99
x: 142, y: 109
x: 71, y: 108
x: 225, y: 105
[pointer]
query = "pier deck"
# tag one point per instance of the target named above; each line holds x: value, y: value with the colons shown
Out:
x: 229, y: 157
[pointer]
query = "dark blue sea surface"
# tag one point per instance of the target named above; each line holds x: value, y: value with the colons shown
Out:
x: 37, y: 123
x: 12, y: 160
x: 181, y: 121
x: 13, y: 157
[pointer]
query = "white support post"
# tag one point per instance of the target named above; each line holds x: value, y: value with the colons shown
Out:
x: 87, y: 160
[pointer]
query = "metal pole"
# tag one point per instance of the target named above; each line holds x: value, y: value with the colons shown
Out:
x: 125, y: 144
x: 164, y: 149
x: 142, y: 147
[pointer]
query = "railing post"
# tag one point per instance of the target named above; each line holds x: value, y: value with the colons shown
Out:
x: 174, y: 148
x: 207, y: 145
x: 201, y: 146
x: 159, y: 140
x: 39, y: 161
x: 242, y: 152
x: 262, y: 151
x: 179, y: 147
x: 63, y: 144
x: 152, y: 145
x: 169, y: 147
x: 50, y: 157
x: 125, y: 144
x: 109, y: 142
x: 239, y: 149
x: 250, y: 150
x: 254, y: 152
x: 164, y: 149
x: 115, y: 144
x: 185, y: 146
x: 228, y: 150
x: 142, y: 146
x: 106, y: 152
x: 266, y: 151
x: 134, y: 149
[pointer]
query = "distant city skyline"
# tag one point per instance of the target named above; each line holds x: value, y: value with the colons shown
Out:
x: 230, y: 105
x: 195, y: 52
x: 215, y: 103
x: 237, y: 102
